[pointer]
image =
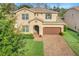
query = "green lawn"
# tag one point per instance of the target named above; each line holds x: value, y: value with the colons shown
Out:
x: 73, y: 41
x: 31, y: 47
x: 34, y: 48
x: 73, y: 33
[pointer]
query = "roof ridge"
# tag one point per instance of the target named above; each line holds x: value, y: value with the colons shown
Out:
x: 38, y: 10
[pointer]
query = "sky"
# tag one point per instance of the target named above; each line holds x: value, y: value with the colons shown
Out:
x: 65, y: 5
x: 61, y: 5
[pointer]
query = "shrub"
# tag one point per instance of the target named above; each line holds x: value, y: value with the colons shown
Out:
x: 61, y: 34
x: 65, y: 28
x: 26, y: 36
x: 10, y: 42
x: 78, y: 33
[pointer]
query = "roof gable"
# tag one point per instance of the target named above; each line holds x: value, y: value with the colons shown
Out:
x: 23, y: 9
x: 37, y: 10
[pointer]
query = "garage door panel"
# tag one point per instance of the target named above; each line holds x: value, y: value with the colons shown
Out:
x: 51, y: 30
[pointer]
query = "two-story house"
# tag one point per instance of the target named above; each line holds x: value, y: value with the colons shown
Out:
x: 38, y: 20
x: 71, y: 18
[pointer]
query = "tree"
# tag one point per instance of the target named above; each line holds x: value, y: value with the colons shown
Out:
x: 24, y: 5
x: 10, y: 42
x: 62, y: 12
x: 56, y: 8
x: 7, y: 9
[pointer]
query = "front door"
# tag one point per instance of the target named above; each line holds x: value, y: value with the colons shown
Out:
x: 36, y: 29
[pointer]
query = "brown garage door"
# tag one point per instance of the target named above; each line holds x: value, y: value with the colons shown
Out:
x: 51, y: 30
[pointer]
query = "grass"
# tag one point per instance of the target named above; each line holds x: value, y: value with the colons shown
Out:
x: 30, y: 46
x: 72, y: 40
x: 73, y: 33
x: 33, y: 48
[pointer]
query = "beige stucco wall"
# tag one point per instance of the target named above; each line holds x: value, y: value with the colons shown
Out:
x: 32, y: 16
x: 31, y: 25
x: 41, y: 26
x: 19, y: 19
x: 42, y: 16
x: 71, y: 17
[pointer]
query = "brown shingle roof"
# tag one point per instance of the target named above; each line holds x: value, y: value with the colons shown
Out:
x: 42, y: 10
x: 22, y: 9
x: 75, y: 8
x: 37, y: 10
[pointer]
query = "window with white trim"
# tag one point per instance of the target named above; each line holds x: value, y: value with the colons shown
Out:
x: 35, y: 14
x: 48, y: 16
x: 25, y: 29
x: 25, y: 16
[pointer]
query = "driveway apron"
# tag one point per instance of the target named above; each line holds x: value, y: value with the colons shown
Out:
x: 55, y: 45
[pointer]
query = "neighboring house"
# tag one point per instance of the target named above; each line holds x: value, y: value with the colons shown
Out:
x: 38, y: 20
x: 71, y: 18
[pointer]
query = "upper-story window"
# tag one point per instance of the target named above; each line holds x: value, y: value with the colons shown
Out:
x: 25, y: 16
x: 48, y: 16
x: 35, y: 14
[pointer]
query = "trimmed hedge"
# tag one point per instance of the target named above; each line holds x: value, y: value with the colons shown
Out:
x: 26, y: 36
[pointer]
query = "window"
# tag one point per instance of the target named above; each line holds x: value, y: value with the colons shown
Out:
x: 35, y: 14
x: 25, y: 16
x: 25, y: 29
x: 48, y: 16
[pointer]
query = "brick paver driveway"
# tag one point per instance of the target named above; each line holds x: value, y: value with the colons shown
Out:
x: 54, y: 45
